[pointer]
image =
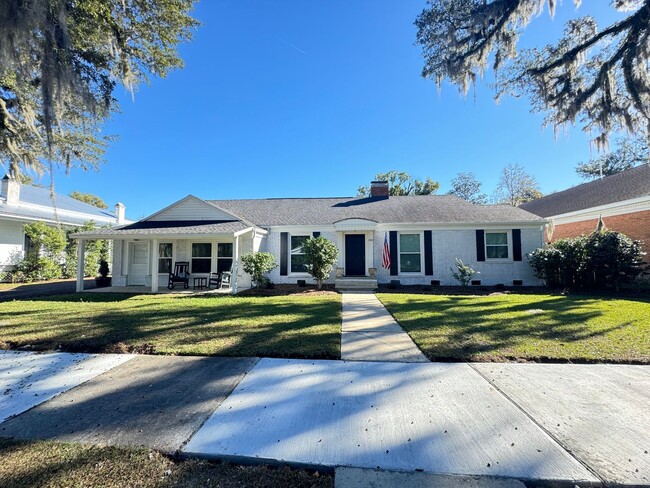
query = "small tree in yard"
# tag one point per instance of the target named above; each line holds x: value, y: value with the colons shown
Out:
x: 257, y: 264
x: 320, y: 257
x: 464, y: 273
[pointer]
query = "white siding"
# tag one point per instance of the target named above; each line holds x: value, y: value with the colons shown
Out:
x: 192, y: 209
x: 12, y: 239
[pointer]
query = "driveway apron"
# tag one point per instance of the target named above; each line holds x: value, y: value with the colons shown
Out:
x: 369, y: 332
x: 152, y: 401
x: 28, y: 379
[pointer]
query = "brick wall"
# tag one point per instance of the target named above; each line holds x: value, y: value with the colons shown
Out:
x: 635, y: 225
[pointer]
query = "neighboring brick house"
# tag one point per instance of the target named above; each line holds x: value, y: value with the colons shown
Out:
x: 423, y: 235
x: 621, y: 200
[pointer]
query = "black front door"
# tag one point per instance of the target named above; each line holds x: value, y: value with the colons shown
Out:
x: 355, y: 255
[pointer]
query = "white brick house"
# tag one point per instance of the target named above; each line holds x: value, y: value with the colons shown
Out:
x: 425, y: 234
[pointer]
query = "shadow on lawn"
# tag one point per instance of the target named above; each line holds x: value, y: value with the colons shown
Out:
x: 470, y: 329
x: 215, y: 325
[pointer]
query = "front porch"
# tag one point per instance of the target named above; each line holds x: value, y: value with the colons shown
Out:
x: 146, y: 290
x: 146, y: 253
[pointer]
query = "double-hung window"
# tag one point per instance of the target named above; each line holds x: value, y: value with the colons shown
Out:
x: 224, y: 256
x: 201, y: 257
x: 165, y: 257
x: 496, y: 245
x: 298, y: 254
x: 409, y: 253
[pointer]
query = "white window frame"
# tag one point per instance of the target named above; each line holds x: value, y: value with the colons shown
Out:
x: 210, y: 257
x: 508, y: 234
x: 399, y: 254
x: 171, y: 258
x: 291, y: 272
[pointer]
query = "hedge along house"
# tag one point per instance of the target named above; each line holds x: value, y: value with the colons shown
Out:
x: 424, y: 235
x: 26, y: 204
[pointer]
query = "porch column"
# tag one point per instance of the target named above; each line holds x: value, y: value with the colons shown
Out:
x: 235, y: 268
x: 81, y: 251
x: 154, y: 266
x: 370, y: 236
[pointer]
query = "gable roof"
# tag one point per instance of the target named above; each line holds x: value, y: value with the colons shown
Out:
x: 168, y: 229
x: 396, y: 209
x: 626, y: 185
x: 36, y: 203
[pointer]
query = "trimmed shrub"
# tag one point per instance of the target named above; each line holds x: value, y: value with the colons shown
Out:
x: 257, y: 264
x: 464, y: 273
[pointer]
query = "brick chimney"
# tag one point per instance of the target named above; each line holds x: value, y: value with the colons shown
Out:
x: 379, y: 188
x: 10, y: 190
x: 120, y: 213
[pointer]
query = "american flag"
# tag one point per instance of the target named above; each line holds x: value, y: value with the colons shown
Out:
x: 385, y: 258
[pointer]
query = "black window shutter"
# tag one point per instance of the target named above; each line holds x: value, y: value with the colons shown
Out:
x: 480, y: 245
x: 428, y: 253
x: 516, y: 244
x: 392, y: 241
x: 284, y: 252
x: 316, y: 234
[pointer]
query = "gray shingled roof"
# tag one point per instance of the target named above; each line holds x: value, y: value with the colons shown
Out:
x: 629, y: 184
x: 445, y: 209
x: 41, y: 196
x: 166, y: 229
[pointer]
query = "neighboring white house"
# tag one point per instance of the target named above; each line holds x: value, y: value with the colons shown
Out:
x: 424, y: 234
x: 25, y: 204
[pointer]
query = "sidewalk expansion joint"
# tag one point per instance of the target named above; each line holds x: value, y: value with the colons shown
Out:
x: 541, y: 427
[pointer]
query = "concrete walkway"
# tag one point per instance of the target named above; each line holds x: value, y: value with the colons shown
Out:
x: 369, y: 332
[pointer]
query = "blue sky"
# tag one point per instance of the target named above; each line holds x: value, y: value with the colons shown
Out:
x: 313, y: 98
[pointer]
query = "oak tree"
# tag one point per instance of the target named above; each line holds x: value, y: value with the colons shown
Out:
x: 597, y: 75
x: 60, y: 63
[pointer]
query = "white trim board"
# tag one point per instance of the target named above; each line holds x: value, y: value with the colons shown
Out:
x: 634, y: 205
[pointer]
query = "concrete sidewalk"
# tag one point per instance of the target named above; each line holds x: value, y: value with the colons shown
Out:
x: 436, y: 417
x: 547, y: 423
x: 369, y: 332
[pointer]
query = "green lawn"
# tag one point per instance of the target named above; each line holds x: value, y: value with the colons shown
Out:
x: 54, y: 465
x: 302, y: 325
x: 492, y: 328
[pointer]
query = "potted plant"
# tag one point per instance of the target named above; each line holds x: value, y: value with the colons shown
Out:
x: 103, y: 279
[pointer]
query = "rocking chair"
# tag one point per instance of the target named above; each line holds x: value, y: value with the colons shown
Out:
x: 181, y: 274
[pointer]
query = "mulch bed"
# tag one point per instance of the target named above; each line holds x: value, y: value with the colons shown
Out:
x: 287, y: 290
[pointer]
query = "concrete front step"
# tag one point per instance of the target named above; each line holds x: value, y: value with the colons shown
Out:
x: 355, y: 284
